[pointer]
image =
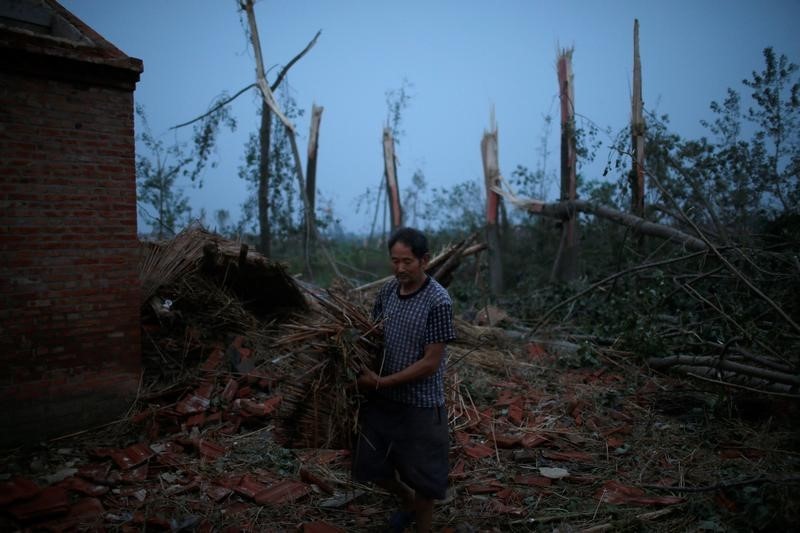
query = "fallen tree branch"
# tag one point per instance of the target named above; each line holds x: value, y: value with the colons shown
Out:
x: 726, y: 485
x: 437, y: 264
x: 215, y: 108
x: 720, y: 363
x: 605, y: 280
x: 732, y: 379
x: 722, y: 258
x: 567, y: 209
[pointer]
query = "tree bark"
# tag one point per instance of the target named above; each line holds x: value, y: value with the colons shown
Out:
x: 567, y: 210
x: 269, y: 101
x: 719, y: 363
x: 392, y: 187
x: 311, y: 181
x: 311, y: 166
x: 264, y: 138
x: 491, y: 174
x: 566, y: 264
x: 637, y: 130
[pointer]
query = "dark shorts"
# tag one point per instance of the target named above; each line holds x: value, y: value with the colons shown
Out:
x: 413, y: 441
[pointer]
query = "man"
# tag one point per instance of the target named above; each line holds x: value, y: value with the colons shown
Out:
x: 403, y: 441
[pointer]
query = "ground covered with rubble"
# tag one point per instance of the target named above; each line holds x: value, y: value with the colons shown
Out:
x: 247, y: 411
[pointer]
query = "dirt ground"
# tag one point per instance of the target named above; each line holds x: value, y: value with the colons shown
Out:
x: 543, y: 439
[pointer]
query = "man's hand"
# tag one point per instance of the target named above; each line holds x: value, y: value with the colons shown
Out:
x: 368, y: 380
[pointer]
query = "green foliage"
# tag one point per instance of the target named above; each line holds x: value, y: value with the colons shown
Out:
x: 205, y: 135
x: 283, y: 197
x: 413, y: 198
x: 396, y: 103
x: 731, y: 183
x: 457, y: 210
x: 157, y: 174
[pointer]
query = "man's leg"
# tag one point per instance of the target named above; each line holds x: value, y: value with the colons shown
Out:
x: 401, y: 490
x: 423, y: 507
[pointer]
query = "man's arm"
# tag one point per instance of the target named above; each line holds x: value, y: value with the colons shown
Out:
x: 423, y: 368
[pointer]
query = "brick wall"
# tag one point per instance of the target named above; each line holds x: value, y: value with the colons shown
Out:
x: 69, y: 288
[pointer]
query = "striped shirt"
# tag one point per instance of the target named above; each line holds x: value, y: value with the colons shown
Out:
x: 411, y: 322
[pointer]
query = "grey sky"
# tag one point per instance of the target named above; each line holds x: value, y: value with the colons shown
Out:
x: 462, y: 57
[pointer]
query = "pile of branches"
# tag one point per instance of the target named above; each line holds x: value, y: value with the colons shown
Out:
x: 202, y: 292
x: 326, y: 350
x: 727, y: 314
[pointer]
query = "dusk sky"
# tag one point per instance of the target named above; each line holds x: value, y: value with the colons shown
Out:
x: 461, y: 57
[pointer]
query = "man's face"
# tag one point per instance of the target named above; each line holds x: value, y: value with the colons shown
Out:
x: 408, y: 269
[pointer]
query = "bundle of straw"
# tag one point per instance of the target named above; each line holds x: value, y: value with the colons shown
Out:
x: 330, y: 347
x: 162, y: 263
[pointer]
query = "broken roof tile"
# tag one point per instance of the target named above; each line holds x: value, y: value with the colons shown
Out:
x: 477, y: 451
x: 533, y: 480
x: 537, y: 352
x: 615, y: 441
x: 457, y: 471
x: 170, y: 459
x: 197, y: 420
x: 323, y: 456
x: 213, y: 362
x: 533, y: 440
x: 500, y: 508
x: 131, y: 456
x: 18, y: 488
x: 525, y: 456
x: 580, y: 457
x: 229, y: 393
x: 284, y: 491
x: 81, y: 485
x: 486, y: 487
x: 507, y: 397
x: 97, y: 472
x: 507, y: 441
x: 217, y: 492
x: 307, y: 476
x: 128, y: 457
x: 197, y: 401
x: 134, y: 475
x: 256, y: 408
x: 237, y: 508
x: 515, y: 414
x: 249, y: 486
x: 85, y: 514
x: 151, y: 519
x: 48, y: 502
x: 231, y: 427
x: 211, y: 449
x: 320, y: 527
x: 616, y: 493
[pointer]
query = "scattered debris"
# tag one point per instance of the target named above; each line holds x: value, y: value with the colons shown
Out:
x: 247, y: 413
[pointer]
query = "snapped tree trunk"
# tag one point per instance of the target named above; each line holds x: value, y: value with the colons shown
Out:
x: 392, y: 187
x: 269, y: 102
x: 565, y: 267
x: 264, y: 138
x: 311, y: 169
x: 637, y: 130
x: 491, y: 175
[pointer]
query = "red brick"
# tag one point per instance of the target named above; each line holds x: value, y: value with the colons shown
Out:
x: 68, y: 246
